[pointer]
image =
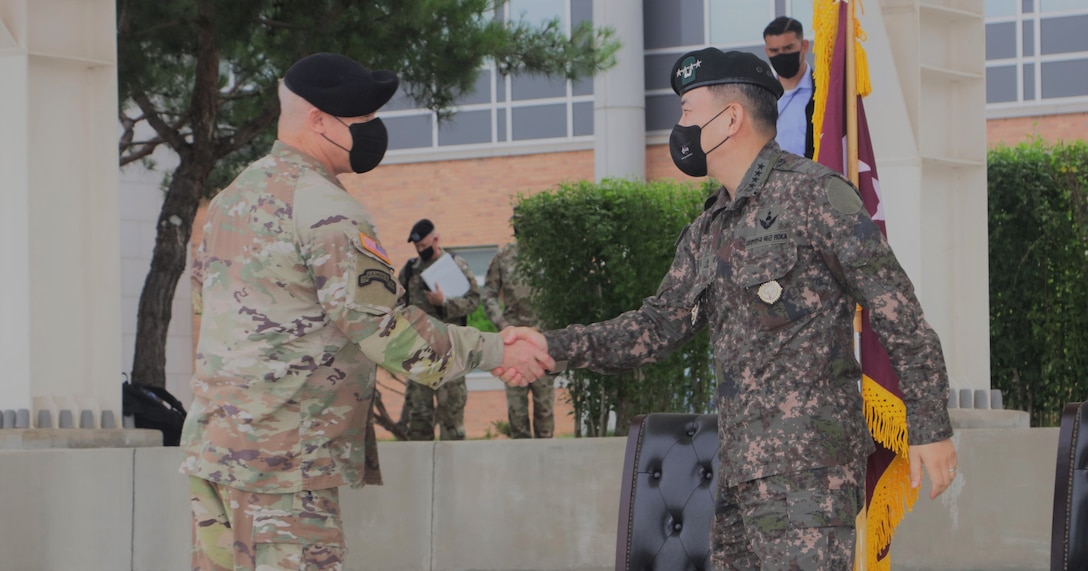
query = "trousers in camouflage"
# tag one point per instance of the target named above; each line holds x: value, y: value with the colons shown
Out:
x: 796, y: 521
x: 444, y: 406
x: 235, y: 530
x: 517, y: 408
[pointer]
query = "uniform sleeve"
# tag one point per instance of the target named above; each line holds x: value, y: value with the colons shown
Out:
x: 196, y: 281
x: 638, y: 337
x: 464, y: 305
x: 402, y: 278
x: 358, y: 293
x: 492, y: 289
x: 857, y: 252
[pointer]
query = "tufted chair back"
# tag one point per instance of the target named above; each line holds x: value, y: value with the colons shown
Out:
x: 667, y: 497
x: 1069, y: 534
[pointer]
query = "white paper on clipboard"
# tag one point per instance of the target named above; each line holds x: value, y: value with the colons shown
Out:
x: 448, y: 275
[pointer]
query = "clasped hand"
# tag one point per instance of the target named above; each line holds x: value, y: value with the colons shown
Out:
x: 524, y: 358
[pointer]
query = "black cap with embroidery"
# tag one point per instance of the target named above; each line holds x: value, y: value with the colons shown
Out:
x: 339, y: 85
x: 711, y: 66
x: 421, y: 230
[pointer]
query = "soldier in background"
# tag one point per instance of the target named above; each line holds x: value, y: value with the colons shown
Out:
x: 446, y: 404
x: 506, y: 300
x: 299, y: 309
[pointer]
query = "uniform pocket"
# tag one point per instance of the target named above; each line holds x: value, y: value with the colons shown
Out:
x: 309, y: 537
x: 767, y: 277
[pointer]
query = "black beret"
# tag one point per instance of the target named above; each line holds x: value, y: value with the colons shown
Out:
x: 421, y: 230
x: 711, y: 66
x: 339, y: 85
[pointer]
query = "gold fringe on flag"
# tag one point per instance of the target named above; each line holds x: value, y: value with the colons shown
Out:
x: 825, y: 23
x: 892, y: 497
x: 886, y: 416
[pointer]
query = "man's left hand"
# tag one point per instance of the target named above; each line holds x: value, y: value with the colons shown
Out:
x: 940, y: 461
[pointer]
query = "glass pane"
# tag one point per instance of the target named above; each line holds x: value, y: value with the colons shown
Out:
x: 733, y: 22
x: 1063, y: 35
x: 1062, y: 5
x: 1001, y: 84
x: 1065, y: 79
x: 465, y: 128
x: 539, y: 122
x: 1000, y: 8
x: 410, y: 132
x: 582, y: 118
x: 538, y: 12
x: 1001, y: 40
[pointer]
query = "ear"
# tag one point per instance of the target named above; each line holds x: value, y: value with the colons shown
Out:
x: 738, y: 116
x: 804, y: 47
x: 315, y: 119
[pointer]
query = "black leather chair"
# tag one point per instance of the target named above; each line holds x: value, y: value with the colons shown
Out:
x: 667, y: 498
x: 1069, y: 533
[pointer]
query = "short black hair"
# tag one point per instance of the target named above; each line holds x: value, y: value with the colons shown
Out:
x: 761, y: 105
x: 783, y: 24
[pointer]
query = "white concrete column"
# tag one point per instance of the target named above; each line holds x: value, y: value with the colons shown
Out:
x: 619, y: 96
x: 60, y: 343
x: 927, y: 119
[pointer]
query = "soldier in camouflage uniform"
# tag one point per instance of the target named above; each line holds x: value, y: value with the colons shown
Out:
x: 445, y: 405
x: 299, y: 308
x: 506, y: 300
x: 774, y: 267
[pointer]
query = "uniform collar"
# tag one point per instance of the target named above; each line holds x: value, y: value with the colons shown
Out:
x: 291, y: 154
x: 754, y: 179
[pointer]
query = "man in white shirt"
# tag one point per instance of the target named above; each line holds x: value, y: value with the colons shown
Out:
x: 786, y: 47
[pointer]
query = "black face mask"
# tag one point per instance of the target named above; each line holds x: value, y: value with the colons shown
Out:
x: 368, y: 143
x: 686, y: 147
x: 427, y: 253
x: 787, y: 65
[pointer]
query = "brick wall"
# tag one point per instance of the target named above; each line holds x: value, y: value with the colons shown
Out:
x: 1052, y: 128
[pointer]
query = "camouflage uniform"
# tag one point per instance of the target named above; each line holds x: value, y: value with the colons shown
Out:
x: 775, y: 273
x: 451, y: 397
x: 503, y: 283
x: 299, y: 308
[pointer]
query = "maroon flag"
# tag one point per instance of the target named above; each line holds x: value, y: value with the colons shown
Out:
x: 888, y: 494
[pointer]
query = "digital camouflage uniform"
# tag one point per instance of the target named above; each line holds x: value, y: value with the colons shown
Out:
x: 449, y: 410
x: 775, y: 273
x: 506, y: 300
x: 299, y: 308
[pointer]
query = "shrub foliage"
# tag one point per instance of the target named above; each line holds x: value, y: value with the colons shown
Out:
x: 1038, y: 224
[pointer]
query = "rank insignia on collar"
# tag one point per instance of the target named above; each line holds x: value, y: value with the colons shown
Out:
x: 770, y: 292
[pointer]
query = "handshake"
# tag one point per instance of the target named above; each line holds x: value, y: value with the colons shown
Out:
x: 524, y: 358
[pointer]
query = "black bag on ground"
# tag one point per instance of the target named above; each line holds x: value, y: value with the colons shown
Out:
x: 154, y: 408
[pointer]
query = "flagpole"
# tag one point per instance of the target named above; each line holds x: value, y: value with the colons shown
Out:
x: 851, y: 97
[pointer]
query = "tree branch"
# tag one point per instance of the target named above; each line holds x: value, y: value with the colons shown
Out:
x: 134, y: 156
x: 245, y: 135
x: 168, y: 134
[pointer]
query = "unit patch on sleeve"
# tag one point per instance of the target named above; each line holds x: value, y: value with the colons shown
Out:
x: 371, y: 245
x: 371, y: 275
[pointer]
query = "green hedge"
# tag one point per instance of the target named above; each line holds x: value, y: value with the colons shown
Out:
x: 1038, y: 224
x: 595, y: 250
